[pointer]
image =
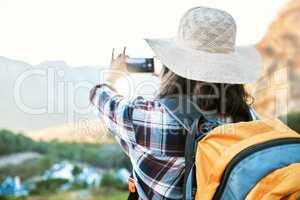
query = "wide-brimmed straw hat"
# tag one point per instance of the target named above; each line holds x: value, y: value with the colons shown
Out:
x: 204, y: 49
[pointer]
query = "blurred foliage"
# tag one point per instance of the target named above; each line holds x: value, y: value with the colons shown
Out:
x: 49, y: 186
x: 110, y: 181
x: 292, y: 120
x: 28, y: 169
x: 104, y: 156
x: 76, y: 171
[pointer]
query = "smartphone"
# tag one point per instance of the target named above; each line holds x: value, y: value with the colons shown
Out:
x: 140, y: 65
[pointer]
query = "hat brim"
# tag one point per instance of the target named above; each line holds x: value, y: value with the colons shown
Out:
x: 239, y: 67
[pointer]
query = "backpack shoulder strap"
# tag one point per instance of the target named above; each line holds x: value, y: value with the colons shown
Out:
x: 190, y: 117
x: 189, y: 185
x: 200, y: 127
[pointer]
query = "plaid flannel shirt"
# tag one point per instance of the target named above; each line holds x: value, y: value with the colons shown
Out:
x: 151, y: 137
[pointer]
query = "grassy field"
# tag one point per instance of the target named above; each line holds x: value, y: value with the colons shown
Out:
x: 102, y: 194
x: 99, y: 194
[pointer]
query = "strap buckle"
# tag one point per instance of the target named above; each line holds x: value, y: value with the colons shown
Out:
x: 131, y: 185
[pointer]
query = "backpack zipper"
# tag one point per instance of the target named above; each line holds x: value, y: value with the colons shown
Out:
x: 246, y: 152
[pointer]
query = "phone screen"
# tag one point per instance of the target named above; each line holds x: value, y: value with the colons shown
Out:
x: 140, y: 65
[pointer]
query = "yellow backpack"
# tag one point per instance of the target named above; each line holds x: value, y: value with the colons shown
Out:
x: 248, y: 160
x: 252, y: 160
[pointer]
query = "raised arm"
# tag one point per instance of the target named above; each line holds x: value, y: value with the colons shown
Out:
x: 116, y: 112
x: 114, y: 109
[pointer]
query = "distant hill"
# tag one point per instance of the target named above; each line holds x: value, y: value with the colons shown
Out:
x: 50, y: 101
x: 40, y: 96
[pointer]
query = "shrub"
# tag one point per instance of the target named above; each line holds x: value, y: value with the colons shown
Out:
x: 109, y: 180
x: 76, y: 170
x: 48, y: 186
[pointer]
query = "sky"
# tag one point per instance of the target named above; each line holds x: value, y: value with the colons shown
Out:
x: 83, y: 32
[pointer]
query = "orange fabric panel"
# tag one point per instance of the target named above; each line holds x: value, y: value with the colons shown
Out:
x: 295, y: 196
x: 217, y: 149
x: 281, y: 184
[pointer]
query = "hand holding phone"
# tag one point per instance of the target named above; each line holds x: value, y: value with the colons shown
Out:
x: 118, y: 67
x: 140, y: 65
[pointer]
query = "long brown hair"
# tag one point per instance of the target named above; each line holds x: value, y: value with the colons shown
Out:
x: 227, y: 99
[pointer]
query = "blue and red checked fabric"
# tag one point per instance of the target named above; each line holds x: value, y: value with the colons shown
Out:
x: 150, y: 136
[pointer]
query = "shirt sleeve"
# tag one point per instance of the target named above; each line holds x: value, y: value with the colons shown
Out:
x: 116, y: 111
